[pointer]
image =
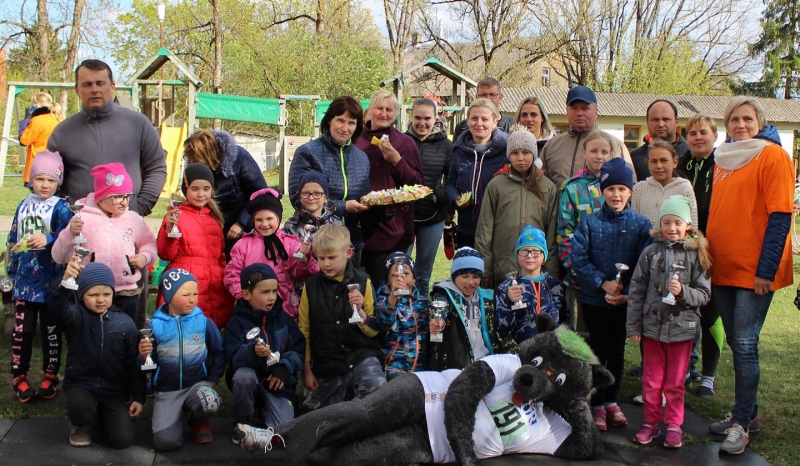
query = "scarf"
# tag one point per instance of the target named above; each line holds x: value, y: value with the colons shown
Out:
x: 273, y: 248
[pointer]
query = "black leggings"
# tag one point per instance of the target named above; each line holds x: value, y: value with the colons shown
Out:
x: 25, y: 313
x: 606, y: 326
x: 711, y: 347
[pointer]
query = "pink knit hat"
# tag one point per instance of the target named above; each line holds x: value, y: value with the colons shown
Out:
x: 50, y: 164
x: 111, y: 179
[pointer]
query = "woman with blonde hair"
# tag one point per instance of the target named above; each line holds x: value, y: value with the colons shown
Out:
x: 532, y: 114
x: 393, y: 162
x: 35, y: 132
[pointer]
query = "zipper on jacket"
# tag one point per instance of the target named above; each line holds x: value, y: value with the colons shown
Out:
x: 344, y: 172
x: 180, y: 353
x: 102, y: 349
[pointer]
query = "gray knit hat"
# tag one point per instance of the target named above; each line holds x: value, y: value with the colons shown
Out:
x: 521, y: 139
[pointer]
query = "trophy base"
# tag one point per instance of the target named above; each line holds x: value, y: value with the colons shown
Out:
x: 174, y: 235
x: 668, y: 300
x: 436, y: 338
x: 608, y: 296
x: 518, y: 305
x: 78, y: 240
x: 356, y: 319
x: 70, y: 285
x: 401, y: 293
x: 149, y: 367
x: 273, y: 358
x: 300, y: 256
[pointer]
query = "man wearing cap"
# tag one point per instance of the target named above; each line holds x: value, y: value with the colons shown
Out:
x: 562, y: 155
x: 488, y: 88
x: 662, y: 123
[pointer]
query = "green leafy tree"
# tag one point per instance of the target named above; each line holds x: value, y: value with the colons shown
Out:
x: 779, y: 44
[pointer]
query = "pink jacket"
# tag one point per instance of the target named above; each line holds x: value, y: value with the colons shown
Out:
x: 110, y: 239
x: 250, y: 249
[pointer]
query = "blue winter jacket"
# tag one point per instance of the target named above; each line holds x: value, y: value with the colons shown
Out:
x: 471, y: 171
x: 603, y: 239
x: 405, y: 342
x: 278, y: 330
x: 103, y: 349
x: 187, y: 348
x: 347, y: 170
x: 520, y: 324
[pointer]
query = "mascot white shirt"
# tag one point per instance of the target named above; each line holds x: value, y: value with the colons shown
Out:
x: 501, y: 426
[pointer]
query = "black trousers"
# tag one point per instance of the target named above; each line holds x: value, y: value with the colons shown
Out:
x: 606, y: 326
x: 25, y: 316
x: 85, y: 408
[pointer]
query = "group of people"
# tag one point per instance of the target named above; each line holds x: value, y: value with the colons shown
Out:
x: 547, y: 224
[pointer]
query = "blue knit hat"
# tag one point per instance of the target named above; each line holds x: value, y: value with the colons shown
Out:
x: 92, y: 275
x: 314, y: 176
x: 387, y: 266
x: 532, y: 237
x: 172, y: 280
x: 266, y: 274
x: 615, y: 172
x: 467, y: 260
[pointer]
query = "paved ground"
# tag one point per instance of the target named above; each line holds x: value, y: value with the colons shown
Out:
x: 45, y: 442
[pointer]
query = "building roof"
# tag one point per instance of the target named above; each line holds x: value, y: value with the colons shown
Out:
x: 635, y: 105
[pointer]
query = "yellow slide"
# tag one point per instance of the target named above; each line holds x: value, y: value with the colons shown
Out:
x: 172, y: 138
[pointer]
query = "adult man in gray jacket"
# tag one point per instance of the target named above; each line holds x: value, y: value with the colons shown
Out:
x: 103, y: 132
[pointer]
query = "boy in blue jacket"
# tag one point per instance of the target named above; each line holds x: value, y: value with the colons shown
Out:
x: 187, y: 348
x: 261, y: 370
x: 610, y: 236
x: 102, y: 372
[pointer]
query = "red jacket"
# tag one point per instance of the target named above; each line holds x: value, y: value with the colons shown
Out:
x: 200, y: 251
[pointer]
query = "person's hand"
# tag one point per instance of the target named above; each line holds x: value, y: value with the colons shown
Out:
x: 137, y: 261
x: 262, y: 351
x: 635, y: 338
x: 462, y: 201
x: 309, y: 380
x: 390, y: 154
x: 397, y: 282
x: 353, y: 207
x: 72, y: 269
x: 618, y: 300
x: 234, y: 231
x: 436, y: 326
x: 675, y: 288
x: 274, y: 383
x: 213, y: 384
x: 135, y: 410
x: 145, y: 347
x: 612, y: 287
x: 305, y: 248
x: 38, y: 240
x: 75, y: 226
x: 762, y: 286
x: 356, y: 298
x: 172, y: 219
x: 515, y: 293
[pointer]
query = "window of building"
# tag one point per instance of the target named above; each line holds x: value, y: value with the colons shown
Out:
x: 632, y: 136
x: 561, y: 127
x: 545, y: 77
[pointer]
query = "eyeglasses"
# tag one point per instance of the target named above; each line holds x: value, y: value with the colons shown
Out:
x: 535, y: 253
x: 120, y: 199
x: 489, y: 95
x: 316, y: 195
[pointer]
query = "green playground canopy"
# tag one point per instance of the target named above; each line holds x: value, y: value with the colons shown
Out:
x: 322, y: 107
x: 240, y: 108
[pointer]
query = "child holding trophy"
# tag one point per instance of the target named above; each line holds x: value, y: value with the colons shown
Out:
x: 336, y: 315
x: 102, y: 370
x: 607, y: 243
x: 518, y: 302
x: 672, y: 282
x: 404, y: 318
x: 313, y: 212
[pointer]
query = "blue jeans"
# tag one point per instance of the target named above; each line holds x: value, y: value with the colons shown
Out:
x: 366, y: 377
x: 251, y: 399
x: 743, y: 313
x: 428, y: 239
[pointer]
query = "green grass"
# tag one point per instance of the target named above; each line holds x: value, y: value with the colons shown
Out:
x: 778, y: 391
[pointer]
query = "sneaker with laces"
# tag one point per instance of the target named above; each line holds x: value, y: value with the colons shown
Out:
x: 201, y: 432
x: 703, y: 390
x: 736, y: 440
x: 695, y: 375
x: 23, y: 389
x: 49, y: 387
x: 615, y: 416
x: 674, y: 437
x: 253, y: 438
x: 599, y: 416
x: 722, y: 427
x: 79, y: 436
x: 646, y: 434
x: 638, y: 400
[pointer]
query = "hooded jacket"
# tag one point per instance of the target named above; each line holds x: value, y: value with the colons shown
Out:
x: 111, y: 240
x: 649, y: 194
x: 580, y: 196
x: 397, y: 232
x: 278, y: 330
x: 546, y: 294
x: 648, y: 315
x: 347, y: 170
x: 471, y: 172
x: 201, y: 251
x: 640, y: 160
x: 604, y: 239
x: 250, y: 249
x: 436, y: 152
x: 103, y: 349
x: 455, y: 351
x: 562, y: 156
x: 508, y: 207
x: 35, y: 135
x: 701, y: 175
x: 405, y: 342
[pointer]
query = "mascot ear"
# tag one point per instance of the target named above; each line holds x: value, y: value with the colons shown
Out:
x: 544, y: 323
x: 601, y: 377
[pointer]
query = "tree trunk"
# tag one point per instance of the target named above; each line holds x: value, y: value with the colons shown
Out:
x: 320, y: 21
x: 43, y: 39
x: 217, y: 54
x: 72, y: 50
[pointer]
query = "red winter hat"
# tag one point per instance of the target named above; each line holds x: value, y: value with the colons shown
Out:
x: 111, y: 179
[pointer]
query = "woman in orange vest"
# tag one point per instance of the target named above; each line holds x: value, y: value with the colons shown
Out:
x: 42, y: 122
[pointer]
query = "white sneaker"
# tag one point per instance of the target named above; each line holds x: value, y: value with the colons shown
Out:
x: 251, y: 438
